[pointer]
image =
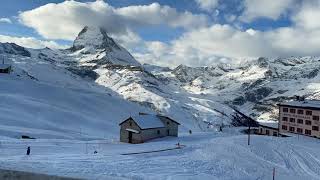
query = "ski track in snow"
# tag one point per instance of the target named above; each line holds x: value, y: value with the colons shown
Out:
x: 223, y: 156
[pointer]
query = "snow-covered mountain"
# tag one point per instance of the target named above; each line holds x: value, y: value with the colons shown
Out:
x: 93, y: 43
x: 42, y: 99
x: 257, y: 86
x: 201, y: 98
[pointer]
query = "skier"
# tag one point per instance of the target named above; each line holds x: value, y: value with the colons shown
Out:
x: 28, y: 151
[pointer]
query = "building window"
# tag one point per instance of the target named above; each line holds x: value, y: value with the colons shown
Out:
x: 292, y: 120
x: 307, y: 132
x: 291, y: 129
x: 309, y: 113
x: 267, y: 132
x: 275, y: 133
x: 315, y: 128
x: 158, y: 131
x: 284, y: 118
x: 300, y: 111
x: 284, y: 109
x: 284, y: 127
x: 130, y: 123
x: 316, y: 118
x: 308, y: 122
x: 168, y: 122
x: 300, y: 121
x: 292, y: 110
x: 299, y: 130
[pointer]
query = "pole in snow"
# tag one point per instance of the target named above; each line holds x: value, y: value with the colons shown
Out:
x: 86, y: 147
x: 249, y: 131
x: 273, y: 173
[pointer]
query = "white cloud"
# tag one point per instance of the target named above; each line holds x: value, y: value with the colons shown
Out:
x: 203, y: 45
x: 130, y: 40
x: 31, y: 42
x: 254, y: 9
x: 251, y: 31
x: 207, y: 5
x: 224, y: 43
x: 64, y: 20
x: 214, y: 44
x: 5, y: 20
x: 155, y: 14
x: 308, y: 16
x: 159, y: 48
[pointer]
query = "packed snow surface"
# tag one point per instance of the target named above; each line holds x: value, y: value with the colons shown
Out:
x: 220, y: 156
x: 51, y: 110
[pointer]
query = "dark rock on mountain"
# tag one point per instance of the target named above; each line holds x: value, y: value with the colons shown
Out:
x: 12, y: 48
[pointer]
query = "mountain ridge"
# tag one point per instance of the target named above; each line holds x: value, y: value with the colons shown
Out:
x: 201, y: 98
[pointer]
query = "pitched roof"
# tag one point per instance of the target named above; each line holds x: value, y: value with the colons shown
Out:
x: 4, y: 66
x: 162, y: 116
x: 148, y: 121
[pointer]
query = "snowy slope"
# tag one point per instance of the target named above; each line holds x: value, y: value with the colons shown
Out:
x: 212, y: 156
x: 43, y: 100
x: 258, y: 85
x: 138, y: 83
x: 200, y: 98
x: 66, y: 97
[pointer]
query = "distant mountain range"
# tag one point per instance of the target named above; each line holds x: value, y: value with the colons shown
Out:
x: 198, y: 97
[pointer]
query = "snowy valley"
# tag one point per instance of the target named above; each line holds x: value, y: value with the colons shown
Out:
x: 73, y: 100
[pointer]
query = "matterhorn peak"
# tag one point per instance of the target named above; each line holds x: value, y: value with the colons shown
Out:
x: 91, y: 37
x: 95, y: 41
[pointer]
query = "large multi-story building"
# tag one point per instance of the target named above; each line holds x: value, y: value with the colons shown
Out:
x: 300, y: 117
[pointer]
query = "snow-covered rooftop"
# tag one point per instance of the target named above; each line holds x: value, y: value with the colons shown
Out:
x: 305, y: 103
x: 4, y: 66
x: 148, y: 121
x: 269, y: 124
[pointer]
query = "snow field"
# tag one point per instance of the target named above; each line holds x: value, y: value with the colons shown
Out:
x: 223, y: 156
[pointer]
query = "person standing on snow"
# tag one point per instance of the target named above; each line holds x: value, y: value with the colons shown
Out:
x: 28, y: 151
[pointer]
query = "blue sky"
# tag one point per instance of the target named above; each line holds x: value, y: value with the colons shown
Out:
x: 168, y: 29
x: 11, y: 9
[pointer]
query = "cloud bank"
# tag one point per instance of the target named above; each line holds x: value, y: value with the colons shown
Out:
x: 254, y: 9
x: 31, y: 42
x: 64, y: 20
x: 203, y: 41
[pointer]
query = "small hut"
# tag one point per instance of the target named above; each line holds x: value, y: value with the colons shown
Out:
x: 144, y: 127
